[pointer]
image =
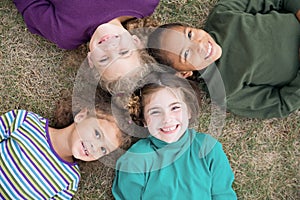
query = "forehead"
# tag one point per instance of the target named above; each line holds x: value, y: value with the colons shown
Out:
x: 173, y: 40
x: 164, y: 96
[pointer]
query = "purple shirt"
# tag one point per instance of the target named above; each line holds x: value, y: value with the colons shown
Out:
x: 70, y: 23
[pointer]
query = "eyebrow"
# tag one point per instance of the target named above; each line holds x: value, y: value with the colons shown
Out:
x: 172, y: 104
x: 154, y: 108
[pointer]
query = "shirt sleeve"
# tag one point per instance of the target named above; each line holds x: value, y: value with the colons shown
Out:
x: 263, y: 101
x: 222, y: 175
x: 261, y: 6
x: 42, y: 18
x: 64, y: 195
x: 10, y: 121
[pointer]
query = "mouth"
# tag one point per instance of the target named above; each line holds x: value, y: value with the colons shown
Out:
x: 209, y: 51
x: 106, y: 37
x: 86, y: 152
x: 169, y: 130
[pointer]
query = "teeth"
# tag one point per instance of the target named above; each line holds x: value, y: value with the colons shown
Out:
x: 85, y: 149
x: 208, y: 50
x: 169, y: 129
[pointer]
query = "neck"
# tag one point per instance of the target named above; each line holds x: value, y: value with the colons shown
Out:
x: 61, y: 140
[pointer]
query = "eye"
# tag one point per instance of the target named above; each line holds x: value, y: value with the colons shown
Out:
x: 103, y: 150
x: 176, y: 107
x: 97, y: 134
x: 189, y: 35
x: 186, y: 54
x: 103, y: 60
x: 124, y: 52
x: 154, y: 112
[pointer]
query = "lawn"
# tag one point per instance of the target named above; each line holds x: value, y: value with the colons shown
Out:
x: 34, y: 75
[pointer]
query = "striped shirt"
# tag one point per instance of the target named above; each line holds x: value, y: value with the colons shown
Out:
x: 29, y: 166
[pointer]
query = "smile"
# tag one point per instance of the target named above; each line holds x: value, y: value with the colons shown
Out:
x: 107, y: 37
x: 169, y: 130
x: 209, y: 51
x: 86, y: 152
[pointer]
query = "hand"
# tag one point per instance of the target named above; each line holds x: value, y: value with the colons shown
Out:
x: 298, y: 15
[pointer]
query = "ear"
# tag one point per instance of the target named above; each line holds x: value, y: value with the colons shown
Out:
x: 91, y: 64
x: 81, y: 115
x: 184, y: 74
x: 137, y: 41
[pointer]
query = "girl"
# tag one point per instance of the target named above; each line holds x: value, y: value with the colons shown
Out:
x: 69, y: 24
x: 253, y: 44
x: 173, y: 162
x: 38, y: 161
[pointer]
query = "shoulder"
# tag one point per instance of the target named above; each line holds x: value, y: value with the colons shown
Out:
x: 137, y: 157
x: 13, y: 117
x: 141, y: 146
x: 207, y: 144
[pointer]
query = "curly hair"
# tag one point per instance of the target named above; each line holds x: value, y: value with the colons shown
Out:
x: 133, y: 103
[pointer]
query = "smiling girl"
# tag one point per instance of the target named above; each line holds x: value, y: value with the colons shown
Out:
x: 70, y: 24
x: 254, y: 45
x: 38, y: 161
x: 173, y: 162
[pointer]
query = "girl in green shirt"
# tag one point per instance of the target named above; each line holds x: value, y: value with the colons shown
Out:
x: 173, y: 162
x: 254, y: 45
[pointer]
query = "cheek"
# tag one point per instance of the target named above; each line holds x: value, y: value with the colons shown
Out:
x: 153, y: 121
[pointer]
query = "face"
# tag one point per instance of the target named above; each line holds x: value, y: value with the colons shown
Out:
x: 94, y: 138
x: 166, y: 115
x: 192, y: 49
x: 113, y: 51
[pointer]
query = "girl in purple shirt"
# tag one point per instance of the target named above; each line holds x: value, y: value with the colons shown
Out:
x: 69, y: 24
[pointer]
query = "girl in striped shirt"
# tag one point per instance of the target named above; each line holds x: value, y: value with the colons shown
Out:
x: 38, y: 162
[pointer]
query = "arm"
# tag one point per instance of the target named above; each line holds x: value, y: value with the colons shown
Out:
x: 266, y: 101
x: 10, y: 121
x: 40, y: 17
x: 222, y: 175
x: 261, y: 6
x: 44, y: 18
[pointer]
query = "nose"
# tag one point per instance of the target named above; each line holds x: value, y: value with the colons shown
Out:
x: 166, y: 118
x: 112, y: 43
x: 94, y: 147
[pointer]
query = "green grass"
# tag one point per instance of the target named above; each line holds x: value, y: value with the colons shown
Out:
x: 264, y: 154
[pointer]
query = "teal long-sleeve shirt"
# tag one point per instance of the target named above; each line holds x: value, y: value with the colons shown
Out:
x: 194, y: 167
x: 260, y: 42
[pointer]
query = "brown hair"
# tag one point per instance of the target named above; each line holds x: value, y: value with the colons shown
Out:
x: 156, y: 81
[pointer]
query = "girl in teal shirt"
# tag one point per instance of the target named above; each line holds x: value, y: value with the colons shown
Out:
x: 173, y: 162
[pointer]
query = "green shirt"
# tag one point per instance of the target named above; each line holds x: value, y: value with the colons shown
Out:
x: 259, y: 65
x: 194, y: 167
